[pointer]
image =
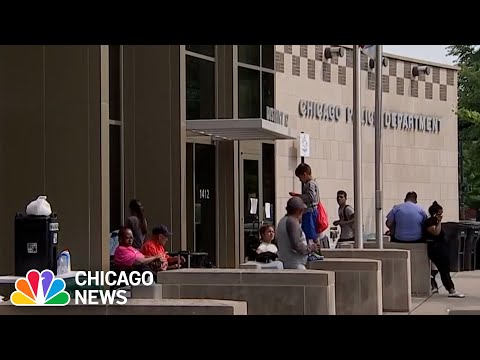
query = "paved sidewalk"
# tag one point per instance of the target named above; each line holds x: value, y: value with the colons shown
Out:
x: 466, y: 282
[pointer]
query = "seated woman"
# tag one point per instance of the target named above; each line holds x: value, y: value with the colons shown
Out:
x: 155, y: 246
x: 267, y: 250
x: 126, y: 257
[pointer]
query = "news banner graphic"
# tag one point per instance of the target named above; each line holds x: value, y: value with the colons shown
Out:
x: 43, y: 289
x: 40, y: 289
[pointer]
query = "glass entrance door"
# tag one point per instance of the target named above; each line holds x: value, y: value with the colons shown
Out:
x: 257, y: 195
x: 251, y: 205
x: 201, y: 199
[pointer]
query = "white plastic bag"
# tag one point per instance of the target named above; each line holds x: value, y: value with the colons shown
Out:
x: 39, y: 207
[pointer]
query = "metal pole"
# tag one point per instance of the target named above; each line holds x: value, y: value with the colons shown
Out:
x: 378, y: 148
x: 357, y: 150
x: 302, y: 158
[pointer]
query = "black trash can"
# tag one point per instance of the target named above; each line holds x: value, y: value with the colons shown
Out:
x: 456, y: 234
x: 471, y: 242
x: 36, y: 243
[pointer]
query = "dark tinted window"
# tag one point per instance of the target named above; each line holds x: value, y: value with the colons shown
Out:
x: 248, y: 93
x: 268, y: 173
x: 115, y: 178
x: 200, y: 78
x: 114, y: 81
x: 249, y: 54
x: 268, y: 91
x: 208, y: 50
x: 268, y: 56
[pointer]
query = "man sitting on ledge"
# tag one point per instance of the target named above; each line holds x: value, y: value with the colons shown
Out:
x: 293, y: 248
x: 405, y: 221
x: 155, y: 246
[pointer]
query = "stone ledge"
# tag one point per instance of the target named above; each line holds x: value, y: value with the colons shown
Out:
x: 345, y: 264
x: 392, y: 253
x: 420, y: 265
x: 244, y: 276
x: 136, y: 307
x: 467, y: 310
x: 358, y: 284
x: 267, y: 292
x: 396, y: 274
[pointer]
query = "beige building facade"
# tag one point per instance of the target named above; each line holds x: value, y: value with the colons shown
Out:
x: 206, y: 136
x: 420, y: 143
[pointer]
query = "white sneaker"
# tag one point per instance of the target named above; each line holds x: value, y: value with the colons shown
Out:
x: 456, y: 294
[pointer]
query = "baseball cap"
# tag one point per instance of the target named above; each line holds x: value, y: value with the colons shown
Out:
x: 161, y: 230
x: 296, y: 203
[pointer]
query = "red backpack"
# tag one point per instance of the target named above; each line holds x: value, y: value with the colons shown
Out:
x: 322, y: 219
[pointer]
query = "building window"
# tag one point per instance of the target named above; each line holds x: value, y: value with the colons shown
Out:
x: 200, y: 79
x: 115, y: 178
x: 115, y: 135
x: 207, y: 50
x: 267, y: 92
x: 248, y: 93
x: 256, y: 83
x: 268, y: 56
x: 249, y: 54
x: 114, y: 81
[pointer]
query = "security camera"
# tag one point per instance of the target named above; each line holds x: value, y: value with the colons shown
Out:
x: 371, y: 63
x: 330, y: 51
x: 417, y: 70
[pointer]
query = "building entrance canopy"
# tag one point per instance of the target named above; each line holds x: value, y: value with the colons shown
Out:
x: 240, y: 129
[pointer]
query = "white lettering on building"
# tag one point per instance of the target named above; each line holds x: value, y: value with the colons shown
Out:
x: 393, y: 120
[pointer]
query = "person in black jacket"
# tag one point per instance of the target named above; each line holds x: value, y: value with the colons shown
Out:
x: 437, y: 248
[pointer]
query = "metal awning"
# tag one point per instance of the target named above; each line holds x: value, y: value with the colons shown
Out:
x: 240, y: 129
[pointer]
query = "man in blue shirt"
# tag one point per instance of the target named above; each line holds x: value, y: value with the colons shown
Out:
x: 405, y: 221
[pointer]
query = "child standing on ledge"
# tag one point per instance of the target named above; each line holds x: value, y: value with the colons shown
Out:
x: 311, y: 197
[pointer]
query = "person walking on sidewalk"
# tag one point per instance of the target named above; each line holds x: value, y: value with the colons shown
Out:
x: 437, y: 248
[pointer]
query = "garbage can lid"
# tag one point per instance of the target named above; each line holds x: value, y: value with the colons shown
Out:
x: 470, y: 224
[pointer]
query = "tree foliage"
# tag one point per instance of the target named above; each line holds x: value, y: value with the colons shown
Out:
x: 468, y: 59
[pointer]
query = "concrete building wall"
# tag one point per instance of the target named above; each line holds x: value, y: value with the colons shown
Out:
x: 51, y: 144
x: 155, y: 135
x: 426, y: 162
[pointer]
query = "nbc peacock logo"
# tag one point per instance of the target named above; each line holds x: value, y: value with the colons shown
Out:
x: 40, y: 289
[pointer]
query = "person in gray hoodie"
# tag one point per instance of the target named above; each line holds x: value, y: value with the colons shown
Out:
x: 293, y: 248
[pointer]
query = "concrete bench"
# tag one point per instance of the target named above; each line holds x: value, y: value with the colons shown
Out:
x: 135, y: 307
x: 153, y: 291
x: 419, y: 262
x: 259, y: 265
x: 358, y: 284
x: 345, y: 245
x: 468, y: 310
x: 396, y: 278
x: 267, y: 292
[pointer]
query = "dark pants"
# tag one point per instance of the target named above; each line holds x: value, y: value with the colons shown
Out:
x: 438, y: 254
x: 392, y: 239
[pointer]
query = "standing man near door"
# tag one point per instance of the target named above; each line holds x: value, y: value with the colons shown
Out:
x: 346, y: 216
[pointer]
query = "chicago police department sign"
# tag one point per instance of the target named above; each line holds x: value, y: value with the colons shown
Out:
x: 393, y: 120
